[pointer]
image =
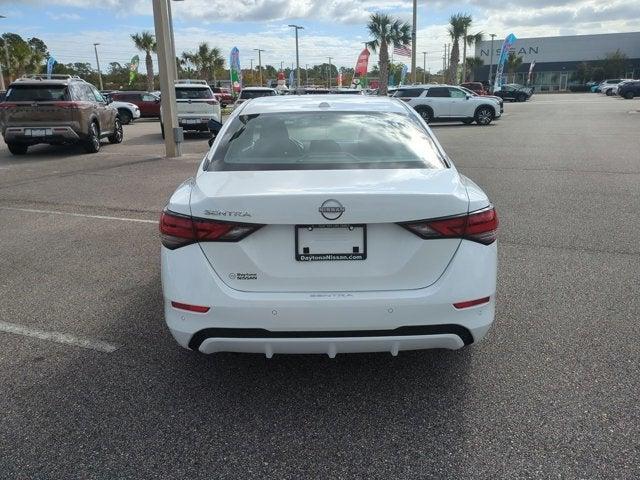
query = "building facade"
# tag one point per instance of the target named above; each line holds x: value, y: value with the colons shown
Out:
x: 557, y: 58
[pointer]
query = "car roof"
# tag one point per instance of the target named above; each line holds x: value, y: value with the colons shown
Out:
x: 317, y: 103
x: 262, y: 89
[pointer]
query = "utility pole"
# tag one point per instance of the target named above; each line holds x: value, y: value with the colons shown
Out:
x: 493, y: 35
x: 95, y: 47
x: 424, y: 67
x: 173, y: 40
x: 297, y: 27
x: 166, y: 67
x: 330, y: 71
x: 259, y: 50
x: 464, y: 56
x: 413, y: 41
x: 306, y: 71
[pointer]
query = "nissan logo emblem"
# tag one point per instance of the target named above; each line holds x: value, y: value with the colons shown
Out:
x: 331, y: 209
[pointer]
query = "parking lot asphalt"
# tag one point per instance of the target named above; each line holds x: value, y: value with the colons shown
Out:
x: 552, y: 392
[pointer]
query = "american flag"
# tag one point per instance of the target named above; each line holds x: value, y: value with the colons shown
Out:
x: 402, y: 50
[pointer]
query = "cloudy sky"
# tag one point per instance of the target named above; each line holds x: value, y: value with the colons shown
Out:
x: 333, y: 28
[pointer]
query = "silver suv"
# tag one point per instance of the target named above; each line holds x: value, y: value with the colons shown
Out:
x: 57, y: 110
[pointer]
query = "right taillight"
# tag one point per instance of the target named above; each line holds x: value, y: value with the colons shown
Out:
x: 480, y: 226
x: 178, y: 230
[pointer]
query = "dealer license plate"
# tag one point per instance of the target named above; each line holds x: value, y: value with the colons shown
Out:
x: 331, y: 242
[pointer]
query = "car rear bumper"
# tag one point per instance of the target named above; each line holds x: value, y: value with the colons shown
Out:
x: 328, y: 322
x: 51, y: 134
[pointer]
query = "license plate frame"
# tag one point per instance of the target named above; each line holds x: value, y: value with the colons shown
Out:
x: 39, y: 132
x: 190, y: 121
x: 331, y: 256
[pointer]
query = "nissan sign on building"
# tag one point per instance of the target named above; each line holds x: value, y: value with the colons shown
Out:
x: 556, y: 58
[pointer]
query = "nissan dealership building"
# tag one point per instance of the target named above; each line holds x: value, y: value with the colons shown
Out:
x: 556, y: 58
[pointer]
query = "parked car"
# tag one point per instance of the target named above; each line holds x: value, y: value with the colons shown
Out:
x: 196, y: 105
x: 476, y: 87
x: 128, y: 111
x: 493, y: 97
x: 514, y: 92
x: 148, y: 103
x: 276, y: 246
x: 607, y: 86
x: 448, y: 103
x: 57, y: 110
x: 629, y: 90
x: 248, y: 93
x: 3, y: 94
x: 223, y: 95
x: 614, y: 90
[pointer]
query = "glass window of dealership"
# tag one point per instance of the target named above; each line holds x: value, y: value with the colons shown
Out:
x: 558, y: 57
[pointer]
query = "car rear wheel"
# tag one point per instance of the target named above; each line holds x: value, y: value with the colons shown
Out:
x: 92, y: 143
x: 117, y: 135
x: 17, y: 148
x: 125, y: 116
x: 521, y: 98
x: 425, y: 113
x: 609, y: 93
x: 629, y: 95
x: 484, y: 115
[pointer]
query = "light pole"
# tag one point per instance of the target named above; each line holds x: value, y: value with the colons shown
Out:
x: 413, y: 42
x: 166, y: 67
x: 493, y: 35
x: 95, y: 47
x: 251, y: 60
x: 259, y: 50
x: 330, y: 71
x: 424, y: 67
x: 173, y: 39
x: 464, y: 56
x: 306, y: 71
x: 297, y: 27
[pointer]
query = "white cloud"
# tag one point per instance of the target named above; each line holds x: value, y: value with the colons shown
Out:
x: 64, y: 16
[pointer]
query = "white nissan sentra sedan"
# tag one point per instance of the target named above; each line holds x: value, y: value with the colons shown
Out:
x: 328, y: 224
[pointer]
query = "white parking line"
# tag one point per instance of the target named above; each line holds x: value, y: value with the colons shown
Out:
x: 71, y: 214
x: 64, y: 338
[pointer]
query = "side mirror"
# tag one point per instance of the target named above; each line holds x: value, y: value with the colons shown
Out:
x: 157, y: 100
x: 467, y: 96
x: 214, y: 127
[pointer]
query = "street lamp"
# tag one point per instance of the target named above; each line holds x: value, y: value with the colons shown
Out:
x: 173, y: 39
x: 95, y: 48
x: 424, y: 67
x: 297, y: 27
x: 259, y: 50
x: 330, y: 71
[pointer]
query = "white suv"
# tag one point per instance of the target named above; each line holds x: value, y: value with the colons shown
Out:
x: 196, y: 105
x: 446, y: 103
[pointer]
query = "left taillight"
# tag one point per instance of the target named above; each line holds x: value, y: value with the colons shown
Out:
x: 178, y: 230
x: 480, y: 226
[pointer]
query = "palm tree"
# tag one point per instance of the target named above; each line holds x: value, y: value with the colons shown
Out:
x: 470, y: 40
x: 146, y: 42
x: 386, y: 31
x: 472, y: 64
x: 206, y: 60
x: 458, y: 26
x: 513, y: 63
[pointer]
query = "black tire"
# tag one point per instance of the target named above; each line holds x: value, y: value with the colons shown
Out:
x: 484, y: 115
x: 426, y: 113
x: 92, y: 143
x: 125, y: 116
x: 522, y: 98
x: 467, y: 121
x: 629, y: 95
x: 608, y: 93
x: 117, y: 135
x: 18, y: 148
x: 162, y: 130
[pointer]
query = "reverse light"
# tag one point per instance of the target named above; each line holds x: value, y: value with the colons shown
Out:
x: 178, y: 230
x: 190, y: 308
x: 472, y: 303
x: 480, y: 226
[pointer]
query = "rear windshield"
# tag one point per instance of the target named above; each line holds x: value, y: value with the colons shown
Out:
x: 37, y: 93
x: 193, y: 93
x: 325, y: 141
x: 249, y: 94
